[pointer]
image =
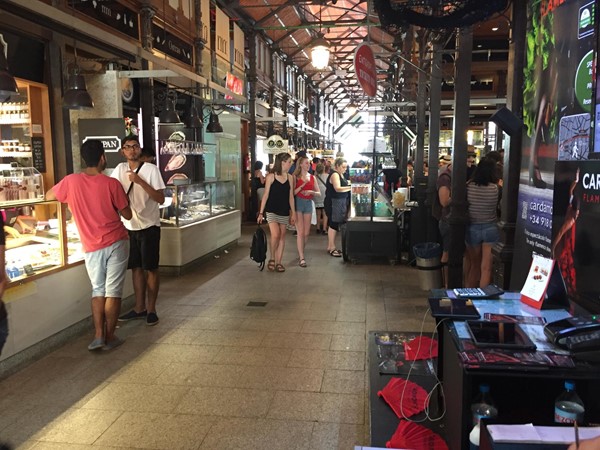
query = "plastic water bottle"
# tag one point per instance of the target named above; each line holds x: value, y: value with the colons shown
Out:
x: 483, y: 407
x: 568, y: 407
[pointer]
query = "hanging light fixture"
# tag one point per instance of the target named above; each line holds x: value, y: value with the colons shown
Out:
x: 8, y: 84
x: 169, y: 114
x: 76, y: 95
x: 193, y: 119
x: 320, y: 49
x: 213, y: 124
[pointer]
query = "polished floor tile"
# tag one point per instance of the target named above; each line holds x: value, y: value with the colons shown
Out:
x: 218, y: 372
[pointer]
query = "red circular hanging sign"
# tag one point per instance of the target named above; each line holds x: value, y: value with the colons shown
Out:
x: 365, y: 69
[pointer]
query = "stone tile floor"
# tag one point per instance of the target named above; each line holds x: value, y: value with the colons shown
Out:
x: 218, y: 374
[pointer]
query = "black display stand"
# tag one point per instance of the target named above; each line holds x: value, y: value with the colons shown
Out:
x: 383, y: 420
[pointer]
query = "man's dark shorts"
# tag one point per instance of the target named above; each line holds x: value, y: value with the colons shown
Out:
x: 144, y: 247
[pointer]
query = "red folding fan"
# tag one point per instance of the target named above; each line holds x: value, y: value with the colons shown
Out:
x: 416, y: 437
x: 404, y: 397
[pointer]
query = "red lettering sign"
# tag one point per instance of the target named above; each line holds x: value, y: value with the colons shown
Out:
x: 365, y: 69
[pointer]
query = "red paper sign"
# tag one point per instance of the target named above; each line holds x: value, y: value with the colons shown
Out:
x: 365, y: 69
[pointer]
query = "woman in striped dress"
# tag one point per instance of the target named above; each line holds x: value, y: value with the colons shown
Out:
x: 482, y: 233
x: 278, y: 203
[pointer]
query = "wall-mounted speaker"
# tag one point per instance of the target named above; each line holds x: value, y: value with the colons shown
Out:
x: 507, y: 121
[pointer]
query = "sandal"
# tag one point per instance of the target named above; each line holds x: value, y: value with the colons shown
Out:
x: 271, y: 265
x: 302, y: 263
x: 279, y: 268
x: 335, y: 252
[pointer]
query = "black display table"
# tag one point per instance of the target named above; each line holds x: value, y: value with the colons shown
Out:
x: 383, y: 420
x: 522, y: 393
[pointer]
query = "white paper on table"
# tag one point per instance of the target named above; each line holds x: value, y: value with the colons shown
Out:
x: 529, y: 433
x: 537, y: 278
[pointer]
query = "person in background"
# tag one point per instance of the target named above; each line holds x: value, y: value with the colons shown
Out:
x: 145, y: 189
x: 471, y: 164
x: 98, y: 202
x: 444, y: 197
x: 278, y: 203
x: 257, y: 186
x: 148, y: 156
x: 337, y: 199
x: 305, y: 189
x: 391, y: 179
x: 319, y: 199
x: 444, y: 160
x: 313, y: 165
x: 410, y: 174
x: 425, y: 169
x: 482, y: 232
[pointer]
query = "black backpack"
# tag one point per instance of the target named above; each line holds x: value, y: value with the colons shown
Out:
x: 258, y: 251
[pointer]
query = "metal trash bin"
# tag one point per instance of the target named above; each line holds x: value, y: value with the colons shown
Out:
x: 428, y: 256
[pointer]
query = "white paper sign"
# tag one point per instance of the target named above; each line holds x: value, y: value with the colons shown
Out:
x: 537, y: 278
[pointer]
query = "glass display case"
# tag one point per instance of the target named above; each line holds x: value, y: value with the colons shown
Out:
x: 40, y: 237
x: 19, y: 184
x: 368, y: 198
x: 191, y: 203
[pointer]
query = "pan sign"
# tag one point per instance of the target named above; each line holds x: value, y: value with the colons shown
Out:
x: 110, y: 143
x: 365, y: 69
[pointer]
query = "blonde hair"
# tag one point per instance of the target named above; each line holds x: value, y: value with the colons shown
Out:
x: 338, y: 162
x: 299, y: 161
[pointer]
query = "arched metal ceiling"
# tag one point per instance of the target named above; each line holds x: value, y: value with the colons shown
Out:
x: 292, y: 25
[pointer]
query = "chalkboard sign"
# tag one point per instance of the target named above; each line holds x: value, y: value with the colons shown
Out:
x: 37, y: 150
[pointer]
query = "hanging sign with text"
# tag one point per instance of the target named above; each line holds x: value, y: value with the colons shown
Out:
x: 171, y: 45
x: 365, y: 69
x: 111, y: 13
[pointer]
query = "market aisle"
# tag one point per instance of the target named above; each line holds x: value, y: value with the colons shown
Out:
x: 216, y: 373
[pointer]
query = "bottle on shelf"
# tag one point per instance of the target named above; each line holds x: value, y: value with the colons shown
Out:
x: 568, y: 407
x: 483, y: 407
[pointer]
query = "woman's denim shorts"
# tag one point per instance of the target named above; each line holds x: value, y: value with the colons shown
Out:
x: 304, y: 205
x: 482, y: 233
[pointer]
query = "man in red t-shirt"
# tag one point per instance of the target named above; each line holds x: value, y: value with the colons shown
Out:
x: 97, y: 202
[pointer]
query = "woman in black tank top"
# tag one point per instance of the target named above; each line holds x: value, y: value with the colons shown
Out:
x: 278, y: 203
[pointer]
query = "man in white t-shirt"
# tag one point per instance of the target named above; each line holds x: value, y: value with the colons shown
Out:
x: 145, y: 189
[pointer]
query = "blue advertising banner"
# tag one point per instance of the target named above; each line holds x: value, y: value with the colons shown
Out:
x: 557, y: 105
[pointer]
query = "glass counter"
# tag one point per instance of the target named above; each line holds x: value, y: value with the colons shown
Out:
x: 363, y: 204
x: 40, y: 237
x: 190, y: 203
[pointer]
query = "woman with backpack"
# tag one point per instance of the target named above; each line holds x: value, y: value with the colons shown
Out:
x: 306, y: 188
x: 278, y: 204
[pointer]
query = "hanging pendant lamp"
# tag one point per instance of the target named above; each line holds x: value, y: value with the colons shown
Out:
x: 169, y: 114
x: 193, y: 119
x: 213, y: 124
x: 76, y: 95
x: 319, y: 53
x: 320, y: 49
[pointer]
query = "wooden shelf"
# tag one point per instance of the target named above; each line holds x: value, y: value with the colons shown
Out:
x: 15, y: 154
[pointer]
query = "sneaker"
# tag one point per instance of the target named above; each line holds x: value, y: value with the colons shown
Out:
x: 96, y: 344
x: 132, y: 315
x: 113, y: 344
x: 151, y: 319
